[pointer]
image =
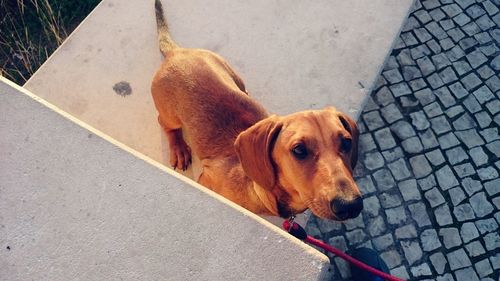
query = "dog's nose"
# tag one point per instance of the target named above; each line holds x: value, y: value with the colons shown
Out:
x: 344, y: 209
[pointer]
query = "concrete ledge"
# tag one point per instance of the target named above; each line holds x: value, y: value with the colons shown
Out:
x: 293, y: 55
x: 75, y: 205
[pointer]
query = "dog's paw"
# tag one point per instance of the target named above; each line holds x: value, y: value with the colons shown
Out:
x: 180, y: 156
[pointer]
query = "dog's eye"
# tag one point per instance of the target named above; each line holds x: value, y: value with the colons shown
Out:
x: 299, y: 151
x: 346, y: 145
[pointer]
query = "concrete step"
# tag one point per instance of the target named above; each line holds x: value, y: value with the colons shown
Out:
x: 77, y: 204
x: 293, y: 55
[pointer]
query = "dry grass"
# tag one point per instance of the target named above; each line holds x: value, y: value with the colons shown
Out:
x: 30, y: 30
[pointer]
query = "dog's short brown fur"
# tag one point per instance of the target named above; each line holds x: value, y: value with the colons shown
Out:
x: 275, y: 165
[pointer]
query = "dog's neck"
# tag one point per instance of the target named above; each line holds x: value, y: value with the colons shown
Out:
x: 259, y: 200
x: 271, y: 203
x: 267, y: 199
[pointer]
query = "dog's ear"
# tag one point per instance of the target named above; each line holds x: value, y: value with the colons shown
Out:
x: 352, y: 128
x: 254, y: 147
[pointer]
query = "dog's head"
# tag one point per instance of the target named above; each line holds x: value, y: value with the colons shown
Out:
x: 306, y: 160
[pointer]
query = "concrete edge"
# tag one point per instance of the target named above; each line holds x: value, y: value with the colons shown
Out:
x: 381, y: 67
x: 59, y: 47
x: 180, y: 177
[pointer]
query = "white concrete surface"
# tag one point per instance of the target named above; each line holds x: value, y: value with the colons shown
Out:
x: 292, y: 54
x: 77, y: 205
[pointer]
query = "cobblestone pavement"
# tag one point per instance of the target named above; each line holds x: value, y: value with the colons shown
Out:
x: 429, y: 150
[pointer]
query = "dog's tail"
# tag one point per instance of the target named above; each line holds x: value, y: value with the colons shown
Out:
x: 166, y: 42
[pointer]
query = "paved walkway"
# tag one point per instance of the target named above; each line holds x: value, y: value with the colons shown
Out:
x: 429, y: 150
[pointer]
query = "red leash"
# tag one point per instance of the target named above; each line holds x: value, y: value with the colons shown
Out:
x: 297, y: 231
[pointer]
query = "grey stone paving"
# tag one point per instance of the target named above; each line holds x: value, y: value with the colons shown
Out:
x: 429, y: 150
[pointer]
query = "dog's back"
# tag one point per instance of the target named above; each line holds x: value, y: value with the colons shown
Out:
x: 210, y: 108
x: 198, y: 90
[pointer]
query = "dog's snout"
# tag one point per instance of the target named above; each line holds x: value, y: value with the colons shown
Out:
x: 344, y: 209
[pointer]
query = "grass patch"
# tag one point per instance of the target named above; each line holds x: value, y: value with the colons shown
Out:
x: 30, y: 30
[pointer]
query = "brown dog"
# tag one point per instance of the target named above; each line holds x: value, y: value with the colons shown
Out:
x: 268, y: 164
